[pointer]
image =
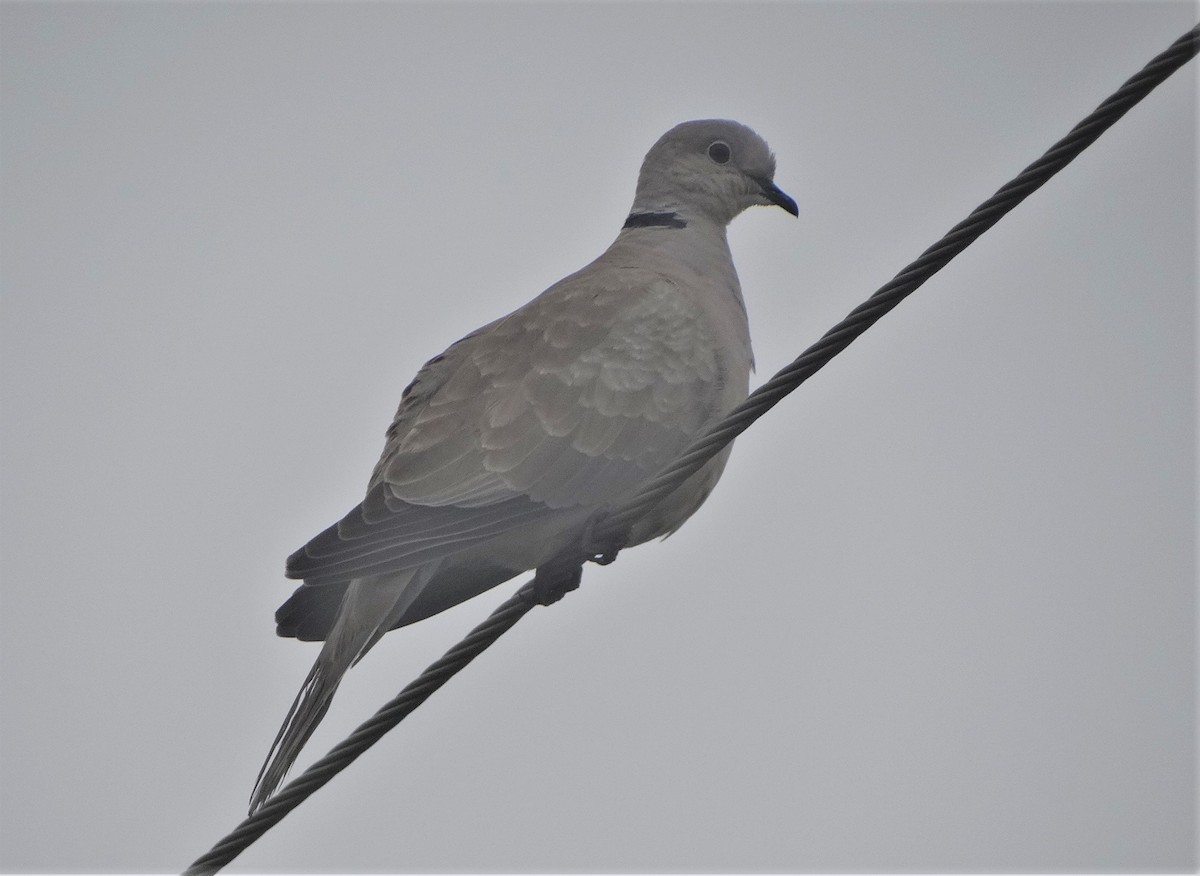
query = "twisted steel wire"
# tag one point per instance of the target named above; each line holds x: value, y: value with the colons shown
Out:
x: 709, y: 444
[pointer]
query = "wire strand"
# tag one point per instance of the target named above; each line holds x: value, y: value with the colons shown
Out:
x: 709, y: 444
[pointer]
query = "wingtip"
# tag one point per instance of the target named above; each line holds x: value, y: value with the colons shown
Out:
x: 263, y: 793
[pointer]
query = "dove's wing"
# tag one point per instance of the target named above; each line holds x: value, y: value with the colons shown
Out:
x: 571, y: 402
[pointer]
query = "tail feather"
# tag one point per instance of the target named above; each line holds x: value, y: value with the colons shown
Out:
x: 369, y: 608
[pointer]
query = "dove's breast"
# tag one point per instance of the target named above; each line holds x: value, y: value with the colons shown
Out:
x: 685, y: 347
x: 710, y: 358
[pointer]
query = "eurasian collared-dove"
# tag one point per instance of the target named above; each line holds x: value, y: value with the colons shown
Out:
x: 507, y: 444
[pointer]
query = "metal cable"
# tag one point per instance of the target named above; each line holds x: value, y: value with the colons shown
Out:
x: 708, y: 445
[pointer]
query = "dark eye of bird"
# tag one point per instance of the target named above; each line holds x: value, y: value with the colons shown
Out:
x: 719, y: 152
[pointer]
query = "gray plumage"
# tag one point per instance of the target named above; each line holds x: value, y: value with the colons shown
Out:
x: 506, y: 444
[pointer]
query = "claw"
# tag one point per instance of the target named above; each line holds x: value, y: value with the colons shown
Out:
x: 553, y: 582
x: 601, y: 552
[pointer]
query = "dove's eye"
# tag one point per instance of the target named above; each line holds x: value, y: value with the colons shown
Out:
x: 719, y: 152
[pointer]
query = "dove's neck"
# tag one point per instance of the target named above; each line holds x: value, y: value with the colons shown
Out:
x: 693, y: 251
x: 671, y: 237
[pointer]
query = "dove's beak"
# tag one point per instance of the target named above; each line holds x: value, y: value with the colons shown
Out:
x: 777, y: 197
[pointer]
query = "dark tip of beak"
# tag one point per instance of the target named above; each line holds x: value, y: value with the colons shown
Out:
x: 777, y: 197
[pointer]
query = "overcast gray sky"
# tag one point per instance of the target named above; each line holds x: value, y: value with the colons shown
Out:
x: 941, y: 611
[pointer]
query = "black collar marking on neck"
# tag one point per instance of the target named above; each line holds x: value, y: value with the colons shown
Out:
x: 654, y: 220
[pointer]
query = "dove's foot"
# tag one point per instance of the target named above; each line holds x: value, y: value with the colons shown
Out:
x: 602, y: 551
x: 553, y: 582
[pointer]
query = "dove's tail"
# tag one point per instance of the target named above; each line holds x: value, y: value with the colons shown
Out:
x: 369, y: 608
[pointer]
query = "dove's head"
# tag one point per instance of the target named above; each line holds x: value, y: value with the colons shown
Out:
x: 712, y: 168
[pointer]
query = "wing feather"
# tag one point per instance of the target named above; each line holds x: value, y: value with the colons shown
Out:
x: 570, y: 402
x: 409, y: 537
